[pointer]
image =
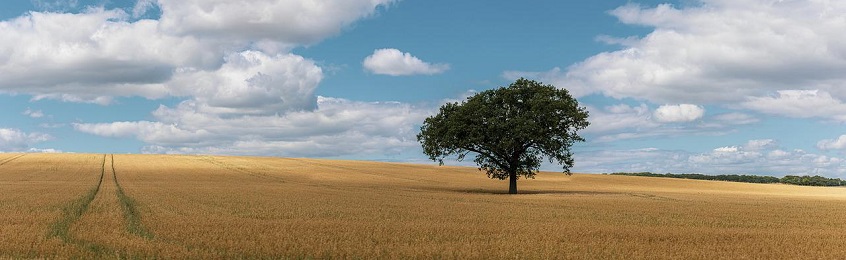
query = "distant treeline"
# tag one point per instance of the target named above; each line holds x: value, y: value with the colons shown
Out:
x: 789, y: 179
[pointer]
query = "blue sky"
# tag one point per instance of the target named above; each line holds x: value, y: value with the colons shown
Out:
x: 709, y: 86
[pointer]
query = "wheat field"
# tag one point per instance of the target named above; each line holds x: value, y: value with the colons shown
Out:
x: 202, y: 207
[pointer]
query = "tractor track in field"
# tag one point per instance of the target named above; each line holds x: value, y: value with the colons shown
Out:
x: 130, y: 211
x: 74, y: 210
x: 7, y: 160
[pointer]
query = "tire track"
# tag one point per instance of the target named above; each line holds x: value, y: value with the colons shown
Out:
x: 130, y: 211
x: 93, y: 222
x: 74, y: 210
x: 7, y: 160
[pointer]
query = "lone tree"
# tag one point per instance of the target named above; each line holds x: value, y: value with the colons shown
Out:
x: 510, y: 129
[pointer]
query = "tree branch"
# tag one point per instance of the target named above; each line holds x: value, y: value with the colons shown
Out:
x: 494, y: 159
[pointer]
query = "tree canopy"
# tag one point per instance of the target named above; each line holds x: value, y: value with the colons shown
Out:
x: 509, y: 129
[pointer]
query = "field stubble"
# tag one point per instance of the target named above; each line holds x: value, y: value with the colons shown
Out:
x: 240, y: 207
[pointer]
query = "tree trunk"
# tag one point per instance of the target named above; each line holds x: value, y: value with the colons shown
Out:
x: 512, y: 183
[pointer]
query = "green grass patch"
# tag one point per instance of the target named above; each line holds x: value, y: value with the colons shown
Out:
x: 130, y: 211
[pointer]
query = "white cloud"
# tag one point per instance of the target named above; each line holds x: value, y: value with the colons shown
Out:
x: 778, y: 154
x: 100, y: 56
x: 762, y: 157
x: 149, y: 132
x: 726, y: 157
x: 622, y: 121
x: 554, y: 77
x: 242, y: 90
x: 727, y: 121
x: 678, y: 113
x: 718, y: 52
x: 33, y: 113
x: 336, y: 127
x: 39, y: 150
x: 251, y: 82
x: 760, y: 144
x: 765, y: 157
x: 107, y: 54
x: 142, y: 6
x: 287, y: 23
x: 800, y: 104
x: 832, y: 144
x: 627, y: 41
x: 735, y: 118
x: 619, y: 117
x: 634, y: 160
x: 396, y: 63
x: 14, y: 140
x: 727, y: 149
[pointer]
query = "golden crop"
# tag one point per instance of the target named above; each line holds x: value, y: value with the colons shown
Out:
x: 166, y: 206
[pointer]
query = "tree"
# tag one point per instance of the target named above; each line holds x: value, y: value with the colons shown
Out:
x: 510, y: 129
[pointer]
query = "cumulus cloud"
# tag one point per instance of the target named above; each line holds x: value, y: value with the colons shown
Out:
x: 287, y: 23
x: 767, y: 159
x: 678, y: 113
x: 252, y: 82
x: 107, y: 53
x: 631, y: 160
x: 724, y: 156
x: 760, y: 144
x: 618, y: 117
x: 718, y: 52
x: 623, y: 121
x: 736, y: 118
x: 102, y: 55
x: 555, y: 77
x: 142, y: 7
x: 47, y: 150
x: 800, y: 104
x: 229, y: 62
x: 336, y: 127
x: 627, y: 41
x: 396, y: 63
x: 832, y: 144
x: 14, y: 140
x: 146, y: 131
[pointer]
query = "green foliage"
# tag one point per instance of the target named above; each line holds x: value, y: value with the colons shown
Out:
x: 789, y: 179
x: 510, y: 129
x: 812, y: 180
x: 696, y: 176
